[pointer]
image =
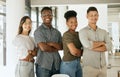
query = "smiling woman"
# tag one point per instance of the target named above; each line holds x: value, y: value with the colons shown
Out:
x: 26, y: 49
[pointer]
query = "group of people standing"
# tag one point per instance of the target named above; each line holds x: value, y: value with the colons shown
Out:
x: 90, y: 42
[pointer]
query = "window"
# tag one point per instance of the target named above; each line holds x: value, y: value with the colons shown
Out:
x: 2, y: 35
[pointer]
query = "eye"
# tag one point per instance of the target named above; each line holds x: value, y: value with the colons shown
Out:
x: 27, y: 23
x: 45, y: 15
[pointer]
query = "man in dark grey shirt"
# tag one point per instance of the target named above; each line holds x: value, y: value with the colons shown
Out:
x: 49, y: 42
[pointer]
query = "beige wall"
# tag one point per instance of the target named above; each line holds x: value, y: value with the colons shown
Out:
x: 64, y: 2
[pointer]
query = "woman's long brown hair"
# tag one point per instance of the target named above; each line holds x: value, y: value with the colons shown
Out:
x: 22, y: 21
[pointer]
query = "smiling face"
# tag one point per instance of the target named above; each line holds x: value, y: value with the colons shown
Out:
x: 92, y: 17
x: 27, y: 25
x: 47, y: 17
x: 72, y: 23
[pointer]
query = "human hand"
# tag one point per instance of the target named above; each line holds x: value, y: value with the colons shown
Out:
x: 50, y: 43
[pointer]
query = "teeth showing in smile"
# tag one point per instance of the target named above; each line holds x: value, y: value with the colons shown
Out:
x: 47, y: 19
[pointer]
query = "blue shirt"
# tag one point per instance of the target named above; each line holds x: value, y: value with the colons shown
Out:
x: 45, y: 34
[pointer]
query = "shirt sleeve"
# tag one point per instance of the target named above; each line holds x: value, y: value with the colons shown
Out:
x: 39, y: 36
x: 17, y: 41
x: 22, y: 52
x: 84, y: 39
x: 32, y: 39
x: 60, y: 38
x: 108, y: 42
x: 67, y: 38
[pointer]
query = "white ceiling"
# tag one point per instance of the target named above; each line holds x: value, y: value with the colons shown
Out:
x: 37, y: 3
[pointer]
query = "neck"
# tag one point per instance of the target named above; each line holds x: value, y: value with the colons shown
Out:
x: 72, y: 31
x: 24, y: 33
x: 93, y: 26
x: 48, y: 25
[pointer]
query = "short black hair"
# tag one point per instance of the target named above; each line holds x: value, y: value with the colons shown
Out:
x: 46, y: 8
x: 92, y: 8
x: 69, y: 14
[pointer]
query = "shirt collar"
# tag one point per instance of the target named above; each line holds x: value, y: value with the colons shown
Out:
x: 91, y: 28
x: 46, y: 26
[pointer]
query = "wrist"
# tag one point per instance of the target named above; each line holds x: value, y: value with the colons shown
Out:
x: 30, y: 52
